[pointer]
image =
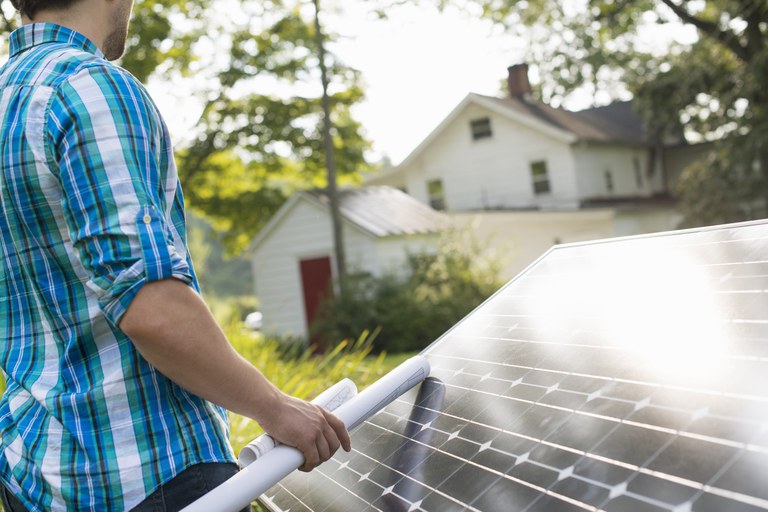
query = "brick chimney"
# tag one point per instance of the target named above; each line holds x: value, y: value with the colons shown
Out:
x: 518, y: 83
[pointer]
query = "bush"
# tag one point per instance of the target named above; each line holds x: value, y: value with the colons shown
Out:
x: 412, y: 309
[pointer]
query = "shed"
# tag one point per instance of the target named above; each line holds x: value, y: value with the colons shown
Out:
x: 293, y: 257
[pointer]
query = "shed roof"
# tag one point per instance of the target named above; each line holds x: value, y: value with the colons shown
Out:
x: 385, y: 211
x: 380, y: 211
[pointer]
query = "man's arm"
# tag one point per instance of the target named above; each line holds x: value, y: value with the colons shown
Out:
x: 175, y: 332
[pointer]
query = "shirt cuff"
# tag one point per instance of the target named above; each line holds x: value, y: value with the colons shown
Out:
x: 159, y: 260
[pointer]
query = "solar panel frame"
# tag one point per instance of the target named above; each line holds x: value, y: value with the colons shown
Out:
x: 623, y: 374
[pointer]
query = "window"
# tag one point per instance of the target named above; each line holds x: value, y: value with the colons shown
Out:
x: 608, y: 180
x: 540, y: 177
x: 481, y: 128
x: 638, y: 172
x: 436, y: 194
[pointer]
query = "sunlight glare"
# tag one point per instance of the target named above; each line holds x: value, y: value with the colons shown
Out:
x: 663, y: 312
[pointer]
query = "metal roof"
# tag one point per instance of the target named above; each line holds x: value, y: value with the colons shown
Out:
x: 385, y: 211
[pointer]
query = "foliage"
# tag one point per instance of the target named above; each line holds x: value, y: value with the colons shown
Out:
x: 252, y: 70
x: 157, y: 40
x: 713, y: 192
x: 412, y: 309
x: 162, y: 36
x: 220, y: 275
x: 304, y: 375
x: 708, y: 87
x: 253, y: 149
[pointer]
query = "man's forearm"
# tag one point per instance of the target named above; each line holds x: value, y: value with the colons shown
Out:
x: 174, y: 330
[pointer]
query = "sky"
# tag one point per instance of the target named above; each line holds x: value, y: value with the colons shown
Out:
x: 417, y: 65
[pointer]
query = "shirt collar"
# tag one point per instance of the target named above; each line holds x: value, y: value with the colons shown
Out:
x: 35, y: 34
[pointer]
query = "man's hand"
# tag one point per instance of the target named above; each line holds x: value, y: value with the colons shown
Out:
x: 309, y: 428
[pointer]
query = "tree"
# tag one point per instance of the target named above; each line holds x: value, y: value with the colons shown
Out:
x: 258, y: 87
x: 156, y: 41
x: 253, y: 149
x: 709, y: 86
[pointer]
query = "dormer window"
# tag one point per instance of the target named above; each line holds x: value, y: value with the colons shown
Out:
x: 436, y: 194
x: 481, y: 128
x: 608, y: 180
x: 540, y: 177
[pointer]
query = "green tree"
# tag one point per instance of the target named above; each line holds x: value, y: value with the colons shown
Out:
x: 157, y: 40
x: 253, y: 147
x: 256, y: 80
x: 710, y: 87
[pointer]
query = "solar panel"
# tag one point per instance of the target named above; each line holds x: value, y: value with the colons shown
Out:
x: 620, y: 375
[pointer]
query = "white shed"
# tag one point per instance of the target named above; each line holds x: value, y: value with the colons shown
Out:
x: 293, y: 257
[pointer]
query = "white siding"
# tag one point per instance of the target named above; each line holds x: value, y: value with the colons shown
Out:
x: 304, y: 232
x: 492, y: 173
x: 651, y: 220
x: 517, y: 239
x: 393, y: 251
x: 593, y: 161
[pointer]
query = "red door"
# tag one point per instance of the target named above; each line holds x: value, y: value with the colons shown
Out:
x: 316, y: 282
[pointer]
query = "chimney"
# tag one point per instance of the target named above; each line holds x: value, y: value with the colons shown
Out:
x: 518, y: 83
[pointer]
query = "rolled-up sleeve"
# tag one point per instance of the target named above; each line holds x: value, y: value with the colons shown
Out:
x: 108, y: 146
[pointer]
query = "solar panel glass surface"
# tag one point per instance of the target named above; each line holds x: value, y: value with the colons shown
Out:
x: 620, y: 375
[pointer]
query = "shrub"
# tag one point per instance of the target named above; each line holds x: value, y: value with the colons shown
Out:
x: 412, y: 309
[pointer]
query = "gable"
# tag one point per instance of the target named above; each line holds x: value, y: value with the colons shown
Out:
x: 493, y: 109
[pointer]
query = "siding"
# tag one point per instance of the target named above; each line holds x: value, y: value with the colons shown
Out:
x: 304, y: 232
x: 593, y: 160
x: 492, y: 173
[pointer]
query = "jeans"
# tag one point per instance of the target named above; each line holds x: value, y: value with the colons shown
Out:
x: 10, y: 502
x: 174, y: 495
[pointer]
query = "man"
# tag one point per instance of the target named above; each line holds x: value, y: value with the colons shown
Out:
x: 113, y: 362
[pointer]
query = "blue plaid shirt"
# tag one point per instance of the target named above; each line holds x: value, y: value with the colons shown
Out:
x: 91, y: 211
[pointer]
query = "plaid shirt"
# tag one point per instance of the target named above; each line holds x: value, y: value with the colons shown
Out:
x: 91, y: 211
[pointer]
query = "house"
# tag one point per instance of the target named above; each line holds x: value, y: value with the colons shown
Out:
x: 293, y: 256
x: 515, y: 168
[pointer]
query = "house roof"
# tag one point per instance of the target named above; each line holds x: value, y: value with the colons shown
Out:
x: 377, y: 210
x: 611, y: 123
x: 385, y: 211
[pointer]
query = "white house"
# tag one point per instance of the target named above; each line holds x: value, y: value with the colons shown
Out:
x: 510, y: 166
x: 293, y: 256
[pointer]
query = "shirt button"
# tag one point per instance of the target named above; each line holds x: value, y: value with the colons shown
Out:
x: 147, y: 219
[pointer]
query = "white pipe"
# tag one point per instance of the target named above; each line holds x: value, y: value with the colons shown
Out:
x: 240, y: 490
x: 330, y: 399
